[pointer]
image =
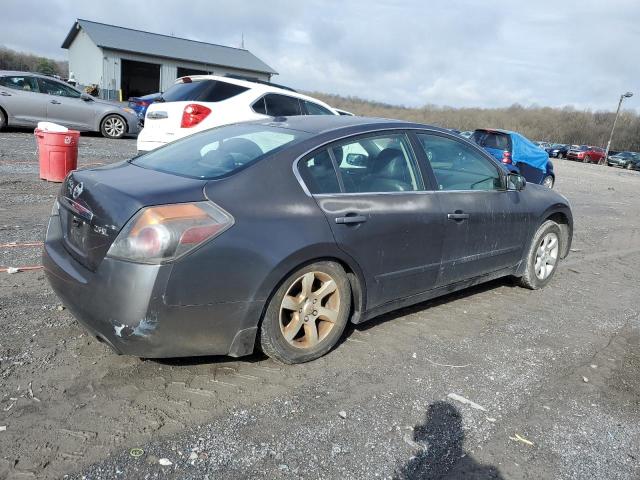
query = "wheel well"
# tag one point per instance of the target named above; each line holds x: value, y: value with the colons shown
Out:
x: 356, y: 283
x: 565, y: 230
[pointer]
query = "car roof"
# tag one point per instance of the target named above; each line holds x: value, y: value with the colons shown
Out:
x: 317, y: 124
x: 18, y: 72
x: 256, y: 87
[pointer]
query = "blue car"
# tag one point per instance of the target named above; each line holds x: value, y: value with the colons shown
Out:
x: 140, y: 104
x: 517, y: 154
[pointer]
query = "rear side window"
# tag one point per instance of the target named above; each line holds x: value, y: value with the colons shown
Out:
x: 282, y: 105
x: 219, y: 152
x: 202, y: 91
x: 28, y: 84
x: 318, y: 174
x: 312, y: 108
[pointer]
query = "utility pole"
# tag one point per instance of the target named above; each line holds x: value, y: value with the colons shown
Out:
x: 603, y: 161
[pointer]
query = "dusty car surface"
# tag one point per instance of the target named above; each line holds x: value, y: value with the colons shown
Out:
x: 278, y: 233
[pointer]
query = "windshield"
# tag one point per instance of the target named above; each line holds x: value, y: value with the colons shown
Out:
x: 219, y: 152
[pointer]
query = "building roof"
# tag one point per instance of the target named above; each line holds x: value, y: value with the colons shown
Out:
x: 137, y: 41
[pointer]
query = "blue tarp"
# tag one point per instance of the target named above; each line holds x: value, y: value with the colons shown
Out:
x: 525, y: 151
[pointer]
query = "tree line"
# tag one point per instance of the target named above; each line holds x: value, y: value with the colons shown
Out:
x: 556, y: 125
x: 27, y: 62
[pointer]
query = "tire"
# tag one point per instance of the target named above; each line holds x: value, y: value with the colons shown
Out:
x: 629, y: 166
x: 537, y: 275
x: 548, y: 181
x: 113, y: 126
x: 3, y: 120
x: 286, y: 332
x: 586, y: 159
x: 560, y: 156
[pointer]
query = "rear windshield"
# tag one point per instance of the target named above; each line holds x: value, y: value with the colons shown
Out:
x: 496, y: 140
x: 203, y: 91
x: 219, y: 152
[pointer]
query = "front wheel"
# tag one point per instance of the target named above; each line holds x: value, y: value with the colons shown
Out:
x: 113, y: 126
x: 548, y: 181
x: 543, y: 256
x: 629, y: 166
x: 560, y: 155
x: 586, y: 159
x: 3, y: 120
x: 307, y: 314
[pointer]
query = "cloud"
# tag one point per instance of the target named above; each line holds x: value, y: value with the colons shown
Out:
x: 465, y: 53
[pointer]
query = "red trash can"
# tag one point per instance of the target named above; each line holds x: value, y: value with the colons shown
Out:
x: 57, y: 153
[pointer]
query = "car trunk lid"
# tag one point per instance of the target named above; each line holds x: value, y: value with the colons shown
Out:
x: 95, y: 204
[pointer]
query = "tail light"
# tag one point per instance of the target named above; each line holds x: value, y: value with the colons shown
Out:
x: 163, y: 233
x: 143, y: 103
x: 506, y: 157
x: 193, y: 114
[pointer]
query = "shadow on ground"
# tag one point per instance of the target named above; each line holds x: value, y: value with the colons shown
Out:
x: 441, y: 455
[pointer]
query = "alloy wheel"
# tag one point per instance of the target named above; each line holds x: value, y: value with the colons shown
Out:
x: 309, y: 310
x: 546, y: 255
x: 548, y: 181
x: 114, y: 126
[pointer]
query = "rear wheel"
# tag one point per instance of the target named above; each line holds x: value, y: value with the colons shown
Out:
x: 113, y: 126
x: 586, y: 159
x: 560, y: 155
x: 543, y: 256
x: 3, y: 119
x: 307, y: 314
x: 548, y: 181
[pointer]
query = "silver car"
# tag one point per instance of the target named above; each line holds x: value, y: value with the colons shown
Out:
x: 28, y: 98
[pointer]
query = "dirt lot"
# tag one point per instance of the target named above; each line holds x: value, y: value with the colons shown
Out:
x: 556, y: 371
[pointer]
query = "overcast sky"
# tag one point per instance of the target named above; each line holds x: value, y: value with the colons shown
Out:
x: 483, y: 53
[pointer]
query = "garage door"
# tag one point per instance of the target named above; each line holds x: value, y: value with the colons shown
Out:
x: 139, y: 78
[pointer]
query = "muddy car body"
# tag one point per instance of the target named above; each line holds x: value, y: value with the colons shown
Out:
x: 362, y: 216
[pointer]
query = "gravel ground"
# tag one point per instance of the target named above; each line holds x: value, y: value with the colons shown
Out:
x: 554, y: 374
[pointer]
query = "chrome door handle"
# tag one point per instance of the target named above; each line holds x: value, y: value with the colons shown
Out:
x: 350, y: 219
x: 458, y: 216
x: 56, y: 102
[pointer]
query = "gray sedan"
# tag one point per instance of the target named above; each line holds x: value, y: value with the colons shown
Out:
x: 29, y: 98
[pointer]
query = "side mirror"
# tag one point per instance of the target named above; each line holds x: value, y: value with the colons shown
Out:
x: 86, y: 97
x: 356, y: 159
x: 516, y: 182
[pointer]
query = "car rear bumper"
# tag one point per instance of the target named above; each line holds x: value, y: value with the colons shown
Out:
x: 123, y: 304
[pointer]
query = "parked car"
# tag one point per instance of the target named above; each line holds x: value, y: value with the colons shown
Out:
x: 517, y: 154
x: 557, y: 150
x: 263, y: 231
x: 586, y: 154
x: 29, y: 98
x: 140, y: 104
x: 623, y: 159
x: 200, y: 102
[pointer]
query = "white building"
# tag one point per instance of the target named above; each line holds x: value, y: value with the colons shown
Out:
x: 127, y: 62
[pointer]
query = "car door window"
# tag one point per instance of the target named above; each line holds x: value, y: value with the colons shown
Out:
x: 318, y: 173
x: 282, y: 105
x: 457, y: 166
x: 364, y: 166
x: 22, y: 82
x: 51, y: 87
x: 312, y: 108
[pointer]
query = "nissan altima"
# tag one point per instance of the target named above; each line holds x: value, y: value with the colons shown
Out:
x: 275, y: 234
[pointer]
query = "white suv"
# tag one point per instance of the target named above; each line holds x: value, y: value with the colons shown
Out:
x: 200, y: 102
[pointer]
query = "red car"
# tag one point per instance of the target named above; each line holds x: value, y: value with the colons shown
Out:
x: 586, y: 154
